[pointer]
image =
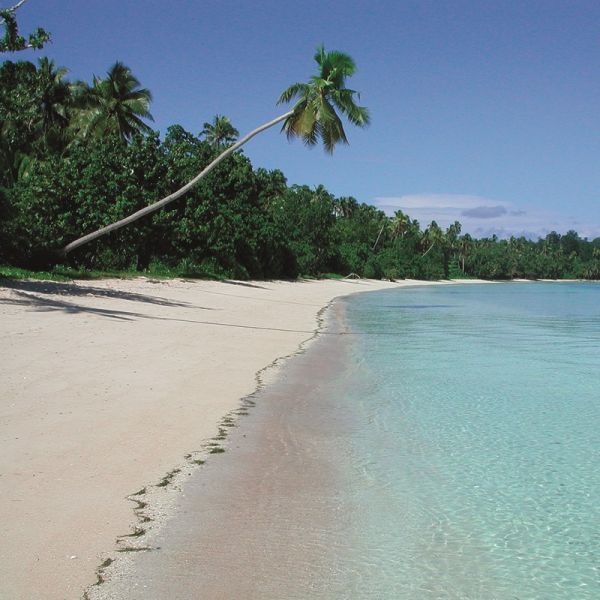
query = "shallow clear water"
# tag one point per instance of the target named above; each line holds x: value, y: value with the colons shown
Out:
x: 474, y: 471
x: 449, y: 450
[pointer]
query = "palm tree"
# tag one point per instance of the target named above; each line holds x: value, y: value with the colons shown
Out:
x: 312, y: 117
x: 465, y: 245
x: 39, y: 116
x: 386, y: 224
x: 56, y: 103
x: 449, y: 245
x: 400, y: 224
x: 114, y: 106
x: 220, y: 132
x: 55, y: 94
x: 433, y: 235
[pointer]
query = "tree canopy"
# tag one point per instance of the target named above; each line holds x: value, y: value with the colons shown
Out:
x: 12, y: 41
x: 314, y: 115
x: 238, y: 221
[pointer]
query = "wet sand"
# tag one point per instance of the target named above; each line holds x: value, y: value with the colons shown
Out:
x: 265, y: 519
x: 107, y: 386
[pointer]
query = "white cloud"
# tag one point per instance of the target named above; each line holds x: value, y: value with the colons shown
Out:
x: 434, y: 201
x: 482, y: 216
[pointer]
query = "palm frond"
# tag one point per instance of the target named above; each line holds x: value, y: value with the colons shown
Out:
x: 357, y: 115
x: 333, y: 129
x: 335, y: 66
x: 295, y: 90
x: 301, y: 122
x: 314, y: 115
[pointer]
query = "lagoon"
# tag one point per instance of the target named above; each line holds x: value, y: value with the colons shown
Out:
x: 435, y: 443
x: 478, y: 459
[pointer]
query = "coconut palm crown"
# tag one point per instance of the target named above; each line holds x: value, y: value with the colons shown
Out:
x: 314, y: 115
x: 220, y: 132
x: 55, y: 94
x: 114, y: 105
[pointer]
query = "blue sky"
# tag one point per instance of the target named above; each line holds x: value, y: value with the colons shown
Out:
x: 485, y: 112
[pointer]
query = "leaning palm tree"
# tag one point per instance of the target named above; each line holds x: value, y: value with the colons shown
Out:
x: 115, y: 105
x: 312, y: 117
x: 433, y: 235
x: 220, y: 132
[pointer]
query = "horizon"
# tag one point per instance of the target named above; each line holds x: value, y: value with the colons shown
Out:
x: 481, y: 113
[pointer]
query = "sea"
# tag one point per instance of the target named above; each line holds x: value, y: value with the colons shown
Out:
x: 434, y: 443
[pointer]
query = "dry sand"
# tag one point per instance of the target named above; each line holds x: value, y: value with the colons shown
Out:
x: 105, y: 386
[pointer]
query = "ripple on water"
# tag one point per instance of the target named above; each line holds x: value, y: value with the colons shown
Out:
x: 478, y: 467
x: 454, y: 458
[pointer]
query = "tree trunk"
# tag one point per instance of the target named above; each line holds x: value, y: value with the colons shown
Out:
x: 171, y: 197
x: 14, y: 8
x: 428, y: 250
x: 377, y: 240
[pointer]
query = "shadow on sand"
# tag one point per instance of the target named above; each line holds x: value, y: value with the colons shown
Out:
x: 56, y: 288
x: 51, y: 304
x: 56, y: 296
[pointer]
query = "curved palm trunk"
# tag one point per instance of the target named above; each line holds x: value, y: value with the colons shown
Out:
x: 171, y: 197
x: 428, y: 250
x: 377, y: 240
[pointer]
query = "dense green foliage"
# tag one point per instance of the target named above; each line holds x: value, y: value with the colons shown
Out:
x: 12, y: 40
x: 312, y: 118
x: 61, y: 178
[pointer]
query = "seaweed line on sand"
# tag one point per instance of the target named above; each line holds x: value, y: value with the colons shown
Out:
x: 152, y: 502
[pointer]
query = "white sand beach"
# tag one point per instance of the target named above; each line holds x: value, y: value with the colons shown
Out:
x: 106, y: 386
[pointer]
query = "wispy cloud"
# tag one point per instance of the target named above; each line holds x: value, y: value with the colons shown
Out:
x: 484, y: 217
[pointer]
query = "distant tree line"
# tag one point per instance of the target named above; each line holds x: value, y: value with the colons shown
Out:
x: 75, y: 157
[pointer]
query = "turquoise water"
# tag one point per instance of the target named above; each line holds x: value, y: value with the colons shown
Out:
x: 448, y: 451
x: 475, y: 471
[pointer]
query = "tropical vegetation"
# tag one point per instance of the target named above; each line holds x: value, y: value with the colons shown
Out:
x: 12, y: 40
x: 76, y: 157
x: 312, y: 118
x: 220, y: 132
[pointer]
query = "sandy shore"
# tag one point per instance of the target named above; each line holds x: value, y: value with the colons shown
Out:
x: 106, y: 386
x: 270, y: 518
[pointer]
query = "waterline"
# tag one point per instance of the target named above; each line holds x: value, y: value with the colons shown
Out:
x: 454, y: 460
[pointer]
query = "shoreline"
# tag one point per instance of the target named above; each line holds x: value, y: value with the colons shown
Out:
x: 72, y: 503
x: 246, y: 501
x: 109, y: 386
